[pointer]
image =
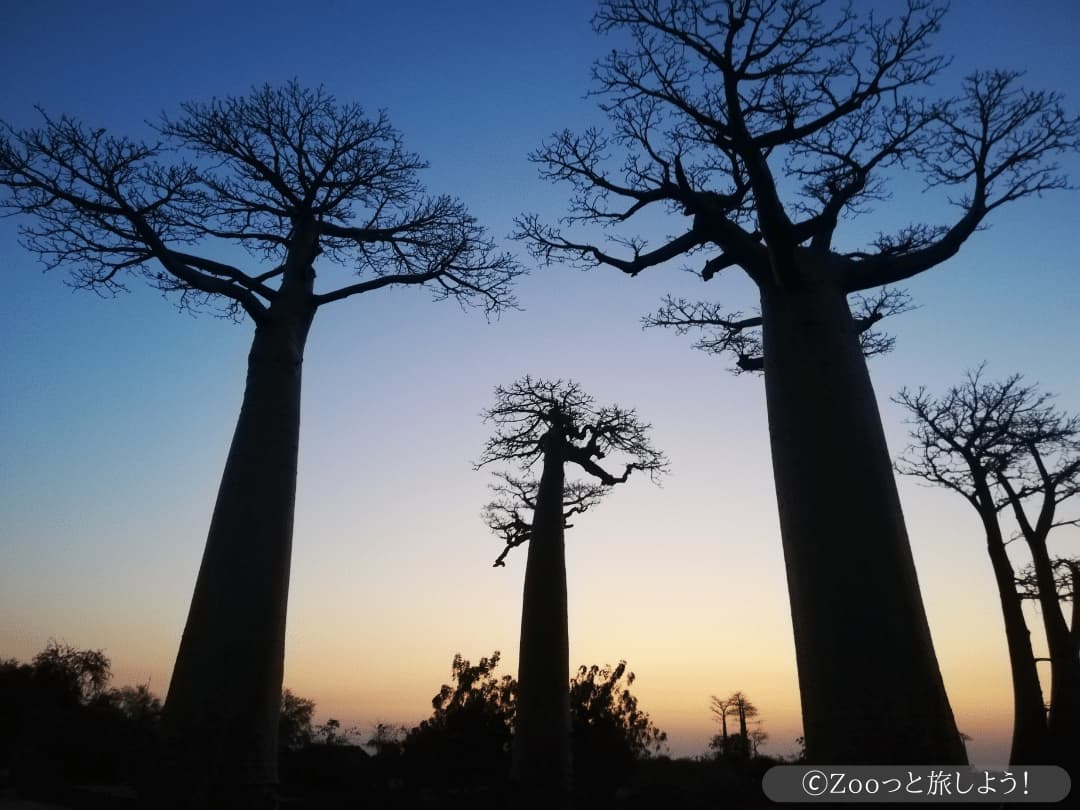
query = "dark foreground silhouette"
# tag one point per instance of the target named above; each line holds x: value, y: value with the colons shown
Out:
x: 68, y: 739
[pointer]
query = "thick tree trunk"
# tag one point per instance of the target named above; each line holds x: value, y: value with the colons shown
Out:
x: 1064, y: 719
x: 541, y: 748
x: 1030, y: 740
x: 871, y: 688
x: 221, y: 714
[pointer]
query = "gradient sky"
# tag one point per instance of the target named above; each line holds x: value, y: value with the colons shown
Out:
x: 115, y: 414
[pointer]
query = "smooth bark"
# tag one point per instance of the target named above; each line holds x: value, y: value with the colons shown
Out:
x: 541, y: 747
x: 1030, y: 740
x: 221, y: 713
x: 871, y: 687
x: 1064, y: 717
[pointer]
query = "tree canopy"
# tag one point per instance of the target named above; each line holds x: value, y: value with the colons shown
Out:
x: 765, y: 124
x: 262, y: 171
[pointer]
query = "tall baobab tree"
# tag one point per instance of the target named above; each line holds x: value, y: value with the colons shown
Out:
x: 764, y: 125
x: 554, y: 423
x: 297, y: 180
x: 1006, y: 449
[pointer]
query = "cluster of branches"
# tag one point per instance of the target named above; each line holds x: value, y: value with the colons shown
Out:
x: 1000, y: 445
x: 740, y: 335
x: 528, y: 414
x: 507, y: 515
x: 708, y: 92
x: 250, y: 171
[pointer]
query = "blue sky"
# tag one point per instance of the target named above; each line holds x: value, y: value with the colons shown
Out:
x: 115, y: 414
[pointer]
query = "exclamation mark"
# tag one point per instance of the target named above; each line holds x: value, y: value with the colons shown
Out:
x: 1025, y: 783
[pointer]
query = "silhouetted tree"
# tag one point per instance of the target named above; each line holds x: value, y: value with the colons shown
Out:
x: 387, y: 739
x: 466, y: 741
x: 609, y: 732
x: 757, y: 737
x: 764, y: 124
x: 291, y: 176
x: 1004, y: 447
x: 556, y: 424
x: 294, y: 722
x: 742, y: 745
x: 721, y: 708
x: 60, y: 724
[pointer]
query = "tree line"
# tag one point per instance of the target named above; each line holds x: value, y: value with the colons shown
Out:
x: 62, y: 725
x: 758, y: 128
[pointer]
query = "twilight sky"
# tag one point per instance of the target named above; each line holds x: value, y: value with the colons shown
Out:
x: 115, y: 414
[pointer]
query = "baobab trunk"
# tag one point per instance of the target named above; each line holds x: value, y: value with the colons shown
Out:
x: 1064, y: 718
x: 1030, y: 740
x: 869, y: 680
x: 221, y: 714
x: 541, y: 748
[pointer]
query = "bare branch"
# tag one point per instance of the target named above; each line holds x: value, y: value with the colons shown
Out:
x: 508, y: 515
x: 705, y: 97
x: 733, y: 333
x: 537, y: 418
x: 285, y: 172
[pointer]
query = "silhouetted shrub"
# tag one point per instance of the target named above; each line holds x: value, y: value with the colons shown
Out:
x: 466, y: 742
x: 60, y: 725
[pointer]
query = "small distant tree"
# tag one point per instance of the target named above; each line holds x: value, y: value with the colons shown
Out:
x: 743, y: 744
x: 721, y: 708
x: 296, y: 180
x: 757, y: 737
x: 1006, y: 449
x: 554, y: 423
x: 387, y: 739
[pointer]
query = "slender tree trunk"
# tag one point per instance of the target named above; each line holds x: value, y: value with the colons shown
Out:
x: 221, y: 714
x: 1064, y: 719
x: 1030, y: 740
x: 541, y: 747
x: 744, y: 740
x: 871, y: 688
x: 1074, y: 621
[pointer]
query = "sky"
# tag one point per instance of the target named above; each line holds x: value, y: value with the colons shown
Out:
x: 116, y: 413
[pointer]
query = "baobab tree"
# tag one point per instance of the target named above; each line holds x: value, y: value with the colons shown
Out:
x: 764, y: 125
x: 736, y: 705
x: 554, y: 423
x: 296, y: 179
x: 1006, y: 449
